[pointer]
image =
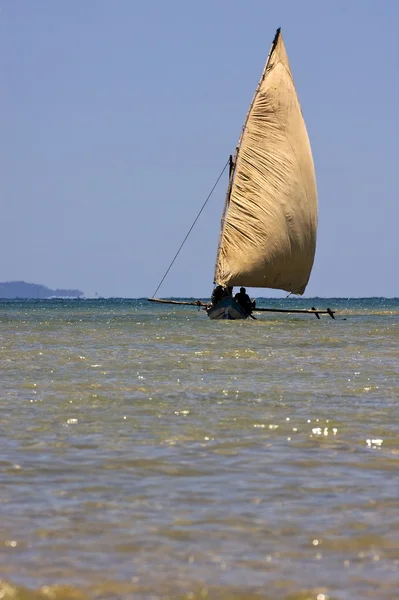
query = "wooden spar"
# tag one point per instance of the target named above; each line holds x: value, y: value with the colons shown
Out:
x: 309, y: 311
x: 196, y: 303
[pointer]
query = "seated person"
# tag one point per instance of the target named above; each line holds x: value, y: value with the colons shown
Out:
x: 244, y: 300
x: 219, y: 293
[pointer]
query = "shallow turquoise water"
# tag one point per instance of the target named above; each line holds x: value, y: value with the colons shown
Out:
x: 148, y: 452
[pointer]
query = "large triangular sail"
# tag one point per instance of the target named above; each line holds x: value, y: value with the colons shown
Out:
x: 268, y: 232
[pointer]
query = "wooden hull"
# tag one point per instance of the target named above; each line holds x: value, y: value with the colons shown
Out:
x: 227, y: 308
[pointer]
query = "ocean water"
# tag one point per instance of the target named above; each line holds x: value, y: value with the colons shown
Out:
x: 150, y: 453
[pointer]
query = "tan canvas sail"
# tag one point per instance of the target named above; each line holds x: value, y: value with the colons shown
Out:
x: 268, y: 231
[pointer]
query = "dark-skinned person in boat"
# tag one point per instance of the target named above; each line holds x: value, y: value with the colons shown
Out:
x: 219, y: 293
x: 245, y: 301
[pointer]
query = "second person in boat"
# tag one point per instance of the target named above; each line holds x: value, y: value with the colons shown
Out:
x: 245, y: 301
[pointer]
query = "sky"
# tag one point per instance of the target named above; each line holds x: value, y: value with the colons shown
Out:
x: 117, y: 116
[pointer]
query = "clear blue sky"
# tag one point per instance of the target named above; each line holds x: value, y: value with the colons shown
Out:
x: 117, y: 116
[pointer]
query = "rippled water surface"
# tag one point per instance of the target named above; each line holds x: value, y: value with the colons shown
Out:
x: 148, y: 452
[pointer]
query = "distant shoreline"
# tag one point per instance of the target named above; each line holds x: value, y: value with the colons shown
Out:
x: 13, y: 290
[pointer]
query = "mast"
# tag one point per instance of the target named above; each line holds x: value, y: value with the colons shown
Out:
x: 233, y: 161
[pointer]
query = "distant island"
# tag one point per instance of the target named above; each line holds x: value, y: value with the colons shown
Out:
x: 21, y: 289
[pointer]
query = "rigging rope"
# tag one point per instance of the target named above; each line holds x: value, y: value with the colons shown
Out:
x: 192, y: 226
x: 281, y: 300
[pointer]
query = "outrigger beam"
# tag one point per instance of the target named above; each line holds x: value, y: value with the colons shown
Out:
x: 196, y: 303
x: 309, y: 311
x: 306, y: 311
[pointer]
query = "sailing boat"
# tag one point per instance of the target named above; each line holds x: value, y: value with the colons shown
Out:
x: 269, y: 222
